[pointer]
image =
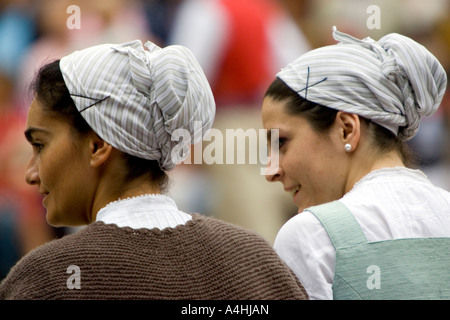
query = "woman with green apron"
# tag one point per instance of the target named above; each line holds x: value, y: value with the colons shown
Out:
x: 370, y: 226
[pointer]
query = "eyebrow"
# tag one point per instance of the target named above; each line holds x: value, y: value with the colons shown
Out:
x: 30, y: 131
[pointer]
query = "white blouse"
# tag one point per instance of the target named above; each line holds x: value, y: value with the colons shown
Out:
x: 146, y: 211
x: 388, y: 203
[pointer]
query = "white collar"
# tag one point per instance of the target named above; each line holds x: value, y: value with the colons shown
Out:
x: 145, y: 211
x: 391, y: 173
x: 396, y: 171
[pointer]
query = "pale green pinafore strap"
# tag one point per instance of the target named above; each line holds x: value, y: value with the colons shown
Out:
x: 340, y: 224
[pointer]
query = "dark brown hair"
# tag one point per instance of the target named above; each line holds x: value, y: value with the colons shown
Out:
x: 321, y: 118
x: 51, y: 91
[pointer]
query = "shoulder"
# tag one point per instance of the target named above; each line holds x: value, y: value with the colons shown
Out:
x: 389, y: 203
x: 42, y: 268
x: 255, y: 262
x: 304, y: 245
x: 51, y: 252
x: 444, y: 194
x: 215, y: 225
x: 303, y: 238
x: 302, y: 226
x: 216, y: 232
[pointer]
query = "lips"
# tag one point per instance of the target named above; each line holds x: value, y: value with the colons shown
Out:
x: 293, y: 190
x: 44, y: 197
x: 296, y: 190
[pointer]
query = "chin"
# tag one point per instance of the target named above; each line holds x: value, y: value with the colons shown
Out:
x: 54, y: 220
x: 57, y: 220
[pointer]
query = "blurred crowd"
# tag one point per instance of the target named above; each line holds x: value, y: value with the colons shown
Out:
x: 241, y: 44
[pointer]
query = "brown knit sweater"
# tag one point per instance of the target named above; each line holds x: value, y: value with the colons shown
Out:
x: 204, y: 259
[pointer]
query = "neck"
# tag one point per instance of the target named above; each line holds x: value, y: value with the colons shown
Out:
x: 362, y: 167
x: 106, y: 194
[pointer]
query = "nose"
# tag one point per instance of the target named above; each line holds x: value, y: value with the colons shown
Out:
x: 32, y: 172
x: 273, y: 172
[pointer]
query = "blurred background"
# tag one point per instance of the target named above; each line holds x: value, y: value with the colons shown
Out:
x: 241, y: 44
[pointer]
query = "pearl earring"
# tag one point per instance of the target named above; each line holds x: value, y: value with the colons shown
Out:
x: 348, y: 147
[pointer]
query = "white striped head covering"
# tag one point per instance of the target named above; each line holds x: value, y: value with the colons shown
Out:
x: 393, y: 81
x: 135, y: 99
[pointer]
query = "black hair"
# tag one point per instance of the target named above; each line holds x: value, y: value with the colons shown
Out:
x: 321, y: 118
x: 54, y: 98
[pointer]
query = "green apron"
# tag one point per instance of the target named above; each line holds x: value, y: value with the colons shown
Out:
x: 416, y: 268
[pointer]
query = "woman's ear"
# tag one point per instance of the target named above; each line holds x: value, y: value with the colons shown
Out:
x: 349, y: 128
x: 99, y: 150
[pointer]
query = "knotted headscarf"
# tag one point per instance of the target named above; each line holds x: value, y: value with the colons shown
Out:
x: 135, y: 99
x: 393, y: 81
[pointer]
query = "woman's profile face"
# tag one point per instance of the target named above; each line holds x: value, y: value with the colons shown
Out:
x: 59, y: 167
x: 311, y: 165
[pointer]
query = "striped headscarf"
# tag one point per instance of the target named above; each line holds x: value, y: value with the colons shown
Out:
x: 135, y: 99
x: 393, y: 81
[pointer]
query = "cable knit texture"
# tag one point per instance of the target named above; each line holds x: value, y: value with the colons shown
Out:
x: 204, y: 259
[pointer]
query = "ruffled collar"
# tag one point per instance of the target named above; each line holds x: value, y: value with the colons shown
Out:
x: 144, y: 211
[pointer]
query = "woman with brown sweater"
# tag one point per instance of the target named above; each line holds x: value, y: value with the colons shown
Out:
x: 101, y: 128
